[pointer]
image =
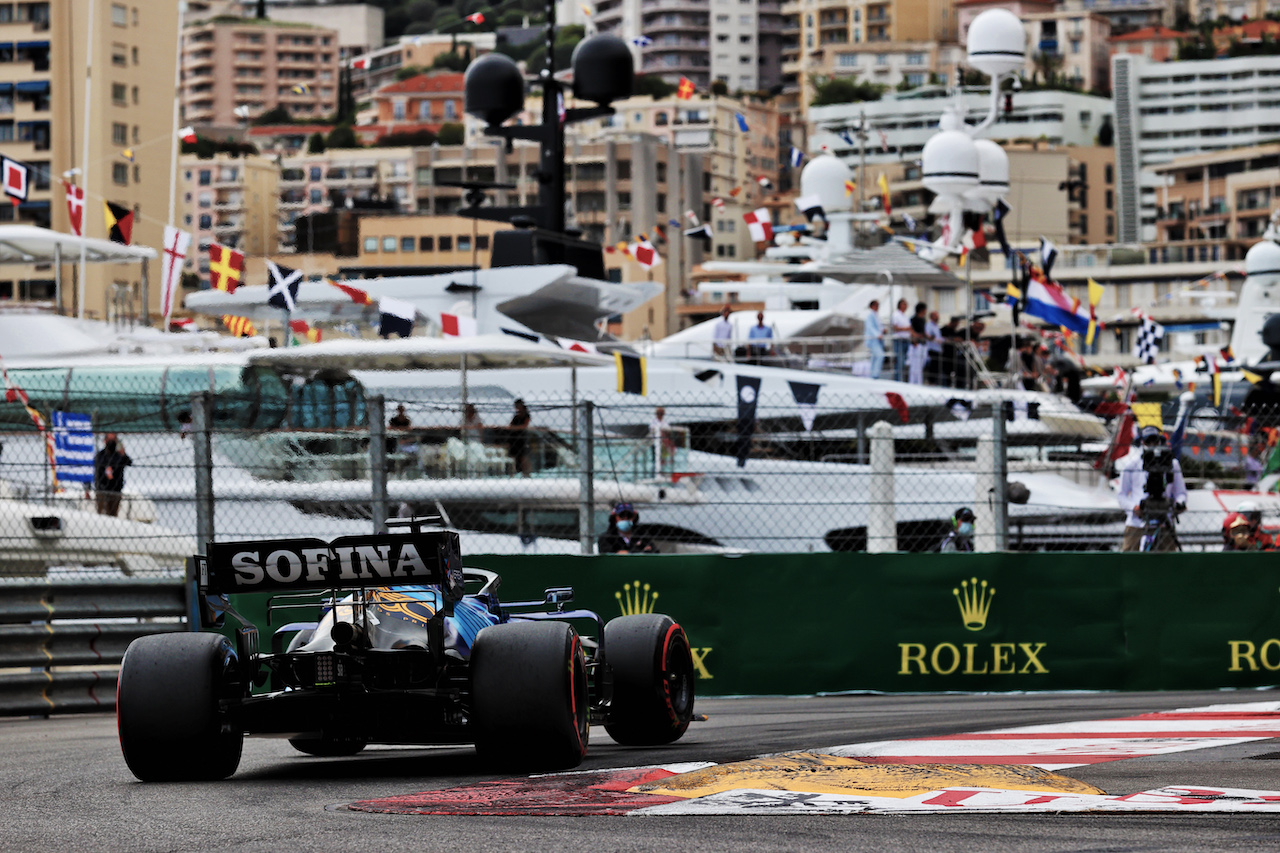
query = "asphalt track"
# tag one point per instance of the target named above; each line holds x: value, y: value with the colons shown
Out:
x: 67, y: 788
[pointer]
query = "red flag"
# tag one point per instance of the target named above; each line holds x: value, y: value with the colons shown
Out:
x: 357, y: 295
x: 686, y: 89
x: 301, y: 327
x: 360, y: 63
x: 898, y: 404
x: 477, y: 18
x: 75, y: 208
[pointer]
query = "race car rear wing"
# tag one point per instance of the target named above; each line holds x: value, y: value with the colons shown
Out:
x: 348, y: 562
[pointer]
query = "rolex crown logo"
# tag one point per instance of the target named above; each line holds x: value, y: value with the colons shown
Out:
x: 975, y: 603
x: 635, y: 598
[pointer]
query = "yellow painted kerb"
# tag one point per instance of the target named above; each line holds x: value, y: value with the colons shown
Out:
x: 831, y: 774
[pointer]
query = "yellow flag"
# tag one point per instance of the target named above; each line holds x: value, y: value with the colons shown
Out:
x: 1251, y: 377
x: 1147, y: 414
x: 1095, y: 294
x: 1095, y: 297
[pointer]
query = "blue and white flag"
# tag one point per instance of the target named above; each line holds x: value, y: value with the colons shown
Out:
x: 73, y: 446
x: 642, y: 41
x: 797, y: 157
x: 847, y: 137
x: 742, y: 122
x: 283, y: 290
x: 396, y: 317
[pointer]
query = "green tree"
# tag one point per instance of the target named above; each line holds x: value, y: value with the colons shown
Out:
x: 315, y: 143
x: 452, y: 133
x: 845, y: 90
x: 408, y: 139
x: 343, y: 136
x: 719, y: 87
x: 452, y: 61
x: 407, y: 71
x: 1047, y: 68
x: 511, y: 18
x: 567, y: 39
x: 653, y: 86
x: 276, y: 115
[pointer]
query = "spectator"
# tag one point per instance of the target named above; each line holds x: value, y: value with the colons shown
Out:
x: 472, y: 427
x: 901, y: 323
x: 918, y: 353
x: 723, y: 336
x: 400, y: 420
x: 622, y: 537
x: 184, y: 424
x: 518, y: 440
x: 1242, y: 530
x: 933, y: 332
x: 873, y: 331
x: 952, y: 363
x: 664, y: 444
x: 108, y: 474
x: 760, y: 332
x: 961, y: 536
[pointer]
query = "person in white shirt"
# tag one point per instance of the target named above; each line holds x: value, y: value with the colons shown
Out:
x: 901, y: 323
x: 873, y: 331
x: 723, y: 336
x: 664, y: 446
x: 933, y: 332
x: 1132, y: 495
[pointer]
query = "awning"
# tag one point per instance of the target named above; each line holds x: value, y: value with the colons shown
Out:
x: 33, y: 45
x: 39, y: 86
x: 30, y: 244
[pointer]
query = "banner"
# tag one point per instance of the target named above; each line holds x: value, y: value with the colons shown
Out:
x: 748, y: 394
x: 73, y: 447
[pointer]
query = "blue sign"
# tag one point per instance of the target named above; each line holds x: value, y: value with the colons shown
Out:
x: 73, y: 446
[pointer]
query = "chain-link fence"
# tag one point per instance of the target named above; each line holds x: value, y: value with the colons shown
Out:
x: 726, y: 469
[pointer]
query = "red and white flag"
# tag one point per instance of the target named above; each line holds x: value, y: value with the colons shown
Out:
x: 75, y: 208
x: 176, y: 243
x: 360, y: 63
x: 187, y: 134
x: 458, y: 326
x: 644, y: 253
x: 578, y: 346
x: 759, y: 225
x: 719, y: 203
x: 477, y: 18
x: 14, y: 178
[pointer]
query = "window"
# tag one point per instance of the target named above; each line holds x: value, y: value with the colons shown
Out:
x: 119, y: 55
x: 406, y: 244
x: 424, y: 110
x: 1110, y: 200
x: 915, y: 59
x: 135, y: 94
x: 206, y: 175
x: 397, y: 110
x: 119, y: 15
x: 1108, y: 174
x: 446, y: 244
x: 317, y: 196
x: 119, y: 94
x: 464, y: 243
x: 137, y: 173
x: 451, y: 109
x: 388, y: 244
x: 371, y: 244
x: 426, y: 244
x: 847, y: 60
x: 882, y: 59
x: 206, y: 200
x: 206, y: 222
x: 317, y: 173
x: 482, y: 242
x: 120, y: 173
x: 134, y: 52
x: 119, y: 134
x: 1111, y: 225
x: 6, y: 13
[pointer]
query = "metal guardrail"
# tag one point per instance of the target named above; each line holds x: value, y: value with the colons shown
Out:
x: 61, y: 642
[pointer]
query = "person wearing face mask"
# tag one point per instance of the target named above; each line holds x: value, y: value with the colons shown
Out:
x: 961, y: 536
x: 621, y: 537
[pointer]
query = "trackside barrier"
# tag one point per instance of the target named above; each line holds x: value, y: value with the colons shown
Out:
x: 803, y: 624
x: 61, y: 641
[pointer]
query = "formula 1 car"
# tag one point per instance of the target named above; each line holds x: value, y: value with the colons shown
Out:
x: 409, y: 648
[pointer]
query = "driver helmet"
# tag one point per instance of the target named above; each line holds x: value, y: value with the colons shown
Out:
x: 1152, y: 436
x: 962, y: 521
x: 1250, y: 512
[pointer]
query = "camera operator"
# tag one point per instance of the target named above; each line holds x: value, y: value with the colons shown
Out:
x: 1152, y: 492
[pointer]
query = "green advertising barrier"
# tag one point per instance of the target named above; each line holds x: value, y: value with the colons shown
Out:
x: 815, y: 623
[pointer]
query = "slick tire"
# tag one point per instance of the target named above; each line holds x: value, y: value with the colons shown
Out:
x: 323, y: 747
x: 529, y: 696
x: 653, y: 680
x: 171, y: 727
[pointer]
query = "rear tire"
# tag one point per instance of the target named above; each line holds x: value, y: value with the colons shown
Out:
x: 529, y: 695
x: 653, y: 683
x: 327, y: 747
x: 171, y: 727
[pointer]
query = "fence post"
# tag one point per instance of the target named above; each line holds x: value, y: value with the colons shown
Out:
x: 202, y: 444
x: 376, y: 409
x: 985, y: 485
x: 882, y: 525
x: 1000, y: 486
x: 586, y: 478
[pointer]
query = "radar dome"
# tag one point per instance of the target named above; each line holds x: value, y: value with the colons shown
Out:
x: 950, y: 163
x: 993, y: 176
x: 997, y: 42
x: 824, y: 176
x: 493, y: 88
x: 603, y: 69
x: 1263, y: 259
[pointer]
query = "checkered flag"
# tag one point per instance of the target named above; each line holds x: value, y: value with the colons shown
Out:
x: 1146, y: 346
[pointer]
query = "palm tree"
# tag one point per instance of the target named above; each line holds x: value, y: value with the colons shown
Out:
x: 1047, y: 66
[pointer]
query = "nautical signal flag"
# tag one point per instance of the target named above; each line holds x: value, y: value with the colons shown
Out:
x: 358, y: 296
x: 742, y: 122
x: 458, y: 326
x: 360, y: 63
x: 14, y: 174
x: 1048, y: 254
x: 187, y: 134
x: 632, y: 373
x: 884, y: 194
x: 241, y: 327
x: 119, y: 222
x: 642, y: 41
x: 734, y: 192
x: 397, y: 316
x: 644, y: 253
x: 797, y: 157
x: 226, y: 268
x: 718, y: 203
x: 283, y: 281
x: 686, y: 89
x: 477, y: 18
x: 850, y: 187
x: 764, y: 182
x: 75, y: 208
x: 811, y: 207
x: 702, y: 233
x: 759, y: 225
x: 176, y: 243
x: 127, y: 154
x: 300, y: 89
x: 898, y: 404
x: 1095, y: 298
x: 303, y: 329
x: 586, y: 9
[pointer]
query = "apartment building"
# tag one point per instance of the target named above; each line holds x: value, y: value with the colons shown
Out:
x: 1091, y: 193
x: 1071, y: 44
x: 424, y: 101
x: 907, y: 120
x: 1155, y: 44
x: 361, y: 27
x: 1225, y: 197
x: 315, y: 183
x: 1127, y: 16
x: 43, y: 92
x: 254, y: 65
x: 228, y: 200
x: 380, y: 66
x: 1166, y: 110
x: 736, y: 42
